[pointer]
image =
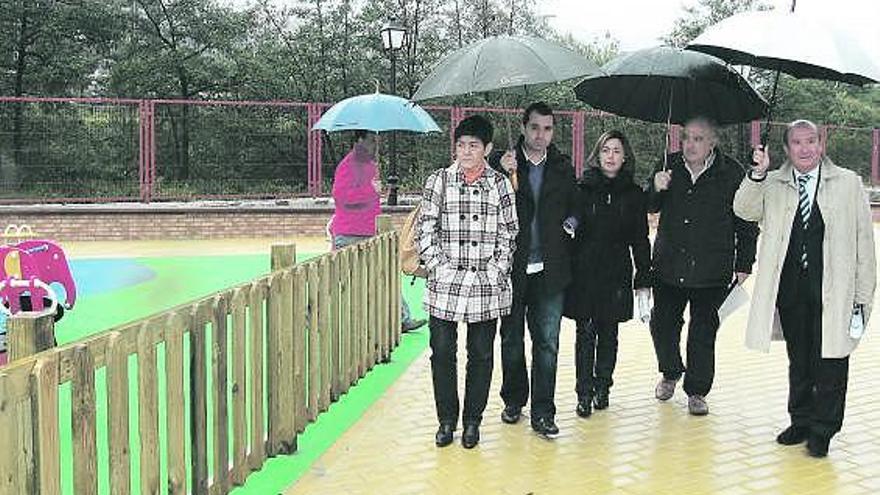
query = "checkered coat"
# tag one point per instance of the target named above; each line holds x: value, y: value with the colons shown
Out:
x: 466, y: 238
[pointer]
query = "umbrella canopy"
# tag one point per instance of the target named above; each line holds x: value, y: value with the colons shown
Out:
x: 800, y: 46
x: 664, y: 84
x: 376, y: 112
x: 503, y: 62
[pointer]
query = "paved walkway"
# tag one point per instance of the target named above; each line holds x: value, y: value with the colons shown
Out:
x: 637, y: 446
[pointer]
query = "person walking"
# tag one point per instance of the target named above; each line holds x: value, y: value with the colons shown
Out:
x: 611, y: 238
x: 466, y: 239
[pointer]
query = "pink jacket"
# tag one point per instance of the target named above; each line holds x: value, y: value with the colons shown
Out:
x: 357, y: 202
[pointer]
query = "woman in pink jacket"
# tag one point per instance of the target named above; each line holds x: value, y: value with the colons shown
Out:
x: 356, y: 193
x: 356, y: 188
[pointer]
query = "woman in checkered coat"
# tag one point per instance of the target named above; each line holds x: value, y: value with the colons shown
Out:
x: 466, y: 239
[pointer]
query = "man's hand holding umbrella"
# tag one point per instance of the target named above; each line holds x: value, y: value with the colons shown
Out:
x: 508, y: 161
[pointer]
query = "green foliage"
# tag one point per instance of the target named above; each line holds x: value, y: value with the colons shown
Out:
x: 296, y: 50
x: 55, y: 47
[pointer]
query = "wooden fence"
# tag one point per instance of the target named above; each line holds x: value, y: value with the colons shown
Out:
x: 235, y: 376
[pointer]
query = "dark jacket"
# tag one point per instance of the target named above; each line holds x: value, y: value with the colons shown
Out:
x: 556, y: 203
x: 612, y: 235
x: 700, y: 241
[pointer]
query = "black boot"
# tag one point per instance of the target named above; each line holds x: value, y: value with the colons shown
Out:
x: 471, y: 436
x: 600, y: 398
x: 584, y: 408
x: 444, y: 435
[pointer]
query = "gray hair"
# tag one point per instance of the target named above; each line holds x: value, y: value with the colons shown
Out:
x: 799, y: 123
x: 706, y: 122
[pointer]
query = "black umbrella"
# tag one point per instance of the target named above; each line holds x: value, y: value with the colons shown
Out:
x: 665, y: 84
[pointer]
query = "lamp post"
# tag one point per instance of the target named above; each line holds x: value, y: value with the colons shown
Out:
x: 393, y: 39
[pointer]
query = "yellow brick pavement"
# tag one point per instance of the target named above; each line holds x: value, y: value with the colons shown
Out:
x: 637, y: 446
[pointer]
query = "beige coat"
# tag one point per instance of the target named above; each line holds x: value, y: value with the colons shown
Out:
x: 849, y: 269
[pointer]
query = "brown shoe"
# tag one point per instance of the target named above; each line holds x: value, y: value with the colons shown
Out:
x: 665, y: 389
x: 697, y: 405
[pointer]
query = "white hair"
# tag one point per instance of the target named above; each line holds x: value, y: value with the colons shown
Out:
x: 798, y: 124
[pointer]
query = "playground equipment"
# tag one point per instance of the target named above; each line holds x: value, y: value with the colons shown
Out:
x: 28, y: 268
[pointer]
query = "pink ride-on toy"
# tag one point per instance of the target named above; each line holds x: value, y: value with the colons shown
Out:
x: 28, y: 268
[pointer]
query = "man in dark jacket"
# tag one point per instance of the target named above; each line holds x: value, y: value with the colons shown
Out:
x: 700, y: 244
x: 545, y: 196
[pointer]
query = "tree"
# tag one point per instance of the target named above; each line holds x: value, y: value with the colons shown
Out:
x: 50, y: 48
x: 182, y: 49
x: 707, y: 12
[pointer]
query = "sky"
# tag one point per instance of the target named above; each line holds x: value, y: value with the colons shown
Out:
x: 640, y: 23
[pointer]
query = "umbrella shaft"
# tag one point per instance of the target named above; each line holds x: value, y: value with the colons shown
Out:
x: 766, y: 132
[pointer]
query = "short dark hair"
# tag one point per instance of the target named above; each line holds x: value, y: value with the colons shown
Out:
x: 629, y: 158
x: 359, y: 134
x: 538, y: 107
x: 476, y: 126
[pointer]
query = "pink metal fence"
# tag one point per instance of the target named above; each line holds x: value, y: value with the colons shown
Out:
x: 155, y: 122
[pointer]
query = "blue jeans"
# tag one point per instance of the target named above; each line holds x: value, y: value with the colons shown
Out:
x: 543, y: 311
x: 340, y: 241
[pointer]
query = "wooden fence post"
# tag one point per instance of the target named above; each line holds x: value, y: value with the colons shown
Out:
x: 280, y: 345
x: 30, y: 333
x: 394, y: 292
x: 384, y: 223
x: 283, y: 256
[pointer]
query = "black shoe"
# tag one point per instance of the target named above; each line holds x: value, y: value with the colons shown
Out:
x: 545, y: 427
x: 584, y: 408
x: 444, y: 435
x: 793, y: 435
x: 511, y: 414
x: 471, y: 436
x: 600, y: 399
x: 817, y: 445
x: 410, y: 325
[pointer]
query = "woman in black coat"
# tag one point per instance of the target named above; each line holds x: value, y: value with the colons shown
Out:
x: 612, y: 235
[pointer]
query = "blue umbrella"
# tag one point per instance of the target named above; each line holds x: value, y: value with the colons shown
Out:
x: 376, y: 112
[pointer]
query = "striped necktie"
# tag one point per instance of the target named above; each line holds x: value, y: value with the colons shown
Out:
x: 804, y: 208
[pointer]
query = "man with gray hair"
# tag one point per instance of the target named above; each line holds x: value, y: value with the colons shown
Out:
x: 700, y: 251
x: 813, y: 208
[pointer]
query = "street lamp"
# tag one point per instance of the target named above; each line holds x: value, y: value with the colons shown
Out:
x: 393, y: 38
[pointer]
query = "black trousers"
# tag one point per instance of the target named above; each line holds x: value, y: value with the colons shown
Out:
x: 595, y: 352
x: 816, y: 386
x: 480, y: 349
x: 666, y: 323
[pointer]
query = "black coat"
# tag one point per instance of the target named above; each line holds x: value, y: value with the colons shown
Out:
x: 612, y: 235
x: 700, y: 241
x: 556, y: 203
